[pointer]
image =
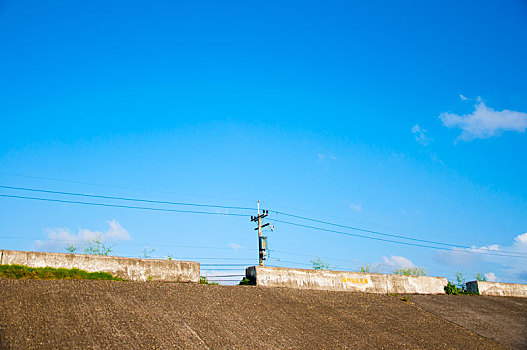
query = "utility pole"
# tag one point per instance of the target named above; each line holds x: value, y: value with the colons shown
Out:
x: 262, y: 240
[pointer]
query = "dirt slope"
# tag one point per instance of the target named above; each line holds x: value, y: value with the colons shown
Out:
x: 134, y: 315
x: 500, y: 318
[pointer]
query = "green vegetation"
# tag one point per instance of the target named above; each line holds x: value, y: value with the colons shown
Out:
x: 50, y: 273
x: 147, y: 252
x: 369, y: 268
x: 460, y: 277
x: 406, y: 299
x: 94, y: 247
x: 98, y: 247
x: 452, y: 289
x: 461, y: 286
x: 319, y: 264
x: 480, y: 277
x: 205, y: 280
x: 246, y: 282
x: 411, y: 271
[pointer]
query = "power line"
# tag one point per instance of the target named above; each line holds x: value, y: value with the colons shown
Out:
x: 378, y: 232
x: 169, y: 192
x: 124, y: 243
x: 223, y: 264
x: 124, y: 198
x: 509, y: 253
x: 242, y: 259
x: 225, y: 276
x: 117, y: 187
x: 124, y: 206
x: 519, y: 255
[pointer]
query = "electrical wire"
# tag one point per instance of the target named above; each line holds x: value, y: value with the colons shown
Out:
x: 118, y: 187
x: 123, y: 243
x: 470, y: 249
x: 124, y: 206
x: 380, y: 233
x: 124, y: 198
x: 524, y: 256
x: 223, y: 264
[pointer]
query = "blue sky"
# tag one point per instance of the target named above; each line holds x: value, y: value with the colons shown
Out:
x: 406, y: 118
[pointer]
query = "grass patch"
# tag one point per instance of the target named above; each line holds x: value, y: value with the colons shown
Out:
x: 247, y: 282
x: 205, y: 280
x: 51, y: 273
x: 452, y: 289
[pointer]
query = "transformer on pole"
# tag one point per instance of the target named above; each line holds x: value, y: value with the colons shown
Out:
x: 262, y: 240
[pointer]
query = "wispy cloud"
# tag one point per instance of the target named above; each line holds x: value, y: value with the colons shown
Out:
x: 491, y: 277
x: 463, y: 98
x: 356, y: 207
x: 420, y: 135
x: 59, y: 238
x: 456, y: 257
x: 485, y: 122
x: 235, y: 246
x: 513, y: 268
x: 397, y: 262
x: 321, y: 157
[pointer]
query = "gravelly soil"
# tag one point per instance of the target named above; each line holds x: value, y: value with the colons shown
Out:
x: 500, y: 318
x: 133, y: 315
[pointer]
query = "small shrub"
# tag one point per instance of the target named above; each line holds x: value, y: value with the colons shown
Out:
x: 369, y: 268
x: 319, y: 264
x: 147, y: 252
x: 480, y: 277
x: 411, y: 271
x: 71, y: 248
x: 246, y: 282
x: 452, y: 289
x: 98, y: 247
x: 205, y: 280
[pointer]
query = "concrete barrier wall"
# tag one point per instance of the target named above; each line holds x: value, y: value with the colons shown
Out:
x: 345, y: 281
x: 126, y: 268
x: 498, y: 289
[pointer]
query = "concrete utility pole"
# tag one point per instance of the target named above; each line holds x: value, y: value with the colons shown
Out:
x: 262, y: 241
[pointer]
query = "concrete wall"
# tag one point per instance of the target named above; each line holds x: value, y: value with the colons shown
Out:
x: 499, y: 289
x: 126, y: 268
x: 345, y: 281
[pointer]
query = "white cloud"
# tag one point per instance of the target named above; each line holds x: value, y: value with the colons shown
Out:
x: 356, y: 207
x: 521, y: 239
x: 59, y: 238
x: 463, y: 98
x: 235, y: 246
x: 322, y: 157
x: 456, y: 257
x: 513, y: 266
x: 485, y: 122
x: 397, y: 262
x: 494, y: 247
x: 116, y: 232
x: 420, y: 135
x: 491, y: 277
